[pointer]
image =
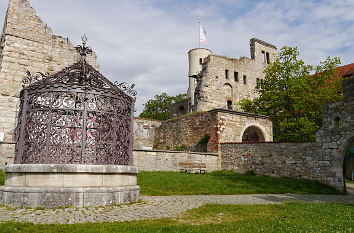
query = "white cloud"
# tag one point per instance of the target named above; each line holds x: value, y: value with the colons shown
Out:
x: 146, y: 42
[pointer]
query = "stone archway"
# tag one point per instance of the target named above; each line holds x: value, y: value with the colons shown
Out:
x: 253, y: 134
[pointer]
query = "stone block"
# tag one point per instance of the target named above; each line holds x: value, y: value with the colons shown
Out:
x: 15, y: 179
x: 83, y: 180
x: 42, y: 180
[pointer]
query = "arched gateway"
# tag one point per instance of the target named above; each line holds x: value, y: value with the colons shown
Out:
x: 336, y: 135
x: 253, y: 134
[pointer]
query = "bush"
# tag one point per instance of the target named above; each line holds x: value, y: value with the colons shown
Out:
x: 183, y: 147
x: 2, y: 177
x: 250, y: 173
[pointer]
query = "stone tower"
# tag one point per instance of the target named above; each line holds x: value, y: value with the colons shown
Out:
x: 224, y: 81
x: 196, y: 58
x: 27, y: 43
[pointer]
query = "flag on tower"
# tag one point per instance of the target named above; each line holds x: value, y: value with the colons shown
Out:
x: 202, y: 35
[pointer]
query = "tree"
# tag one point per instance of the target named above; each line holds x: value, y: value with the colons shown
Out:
x: 292, y: 95
x: 160, y: 107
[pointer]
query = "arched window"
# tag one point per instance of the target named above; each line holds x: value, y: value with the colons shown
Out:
x: 228, y: 91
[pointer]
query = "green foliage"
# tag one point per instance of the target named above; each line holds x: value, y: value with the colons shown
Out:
x: 159, y: 108
x: 182, y: 147
x: 286, y: 217
x: 250, y: 173
x: 156, y: 143
x: 2, y: 177
x: 204, y: 140
x: 292, y: 95
x: 224, y: 182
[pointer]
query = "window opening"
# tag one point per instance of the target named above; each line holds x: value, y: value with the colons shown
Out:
x: 200, y: 61
x: 267, y: 58
x: 244, y: 79
x: 227, y: 74
x: 236, y: 76
x: 264, y: 56
x: 229, y: 104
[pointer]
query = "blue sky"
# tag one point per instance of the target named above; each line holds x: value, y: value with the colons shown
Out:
x: 146, y: 42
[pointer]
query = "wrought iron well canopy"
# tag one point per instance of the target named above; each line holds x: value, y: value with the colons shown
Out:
x: 75, y: 116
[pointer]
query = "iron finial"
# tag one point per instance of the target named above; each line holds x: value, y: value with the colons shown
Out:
x: 83, y: 50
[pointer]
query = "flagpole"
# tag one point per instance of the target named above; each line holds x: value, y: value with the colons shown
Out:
x: 199, y: 33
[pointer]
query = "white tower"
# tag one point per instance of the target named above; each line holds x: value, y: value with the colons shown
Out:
x: 196, y: 58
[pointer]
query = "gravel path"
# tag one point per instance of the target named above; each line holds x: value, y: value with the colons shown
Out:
x: 153, y: 207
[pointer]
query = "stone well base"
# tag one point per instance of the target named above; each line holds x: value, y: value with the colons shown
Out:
x: 54, y: 185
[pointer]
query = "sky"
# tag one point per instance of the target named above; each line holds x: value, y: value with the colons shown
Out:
x: 146, y: 42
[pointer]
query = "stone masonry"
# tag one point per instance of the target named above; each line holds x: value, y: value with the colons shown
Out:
x: 221, y: 125
x: 144, y: 132
x: 27, y: 43
x: 225, y: 81
x: 158, y: 160
x: 321, y: 160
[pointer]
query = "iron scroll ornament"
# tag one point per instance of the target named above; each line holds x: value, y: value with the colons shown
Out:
x: 75, y: 116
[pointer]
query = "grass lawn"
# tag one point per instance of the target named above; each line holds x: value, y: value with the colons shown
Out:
x: 286, y: 217
x: 224, y: 182
x: 220, y: 182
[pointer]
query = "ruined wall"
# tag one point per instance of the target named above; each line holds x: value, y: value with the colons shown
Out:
x: 154, y: 160
x: 27, y: 43
x: 187, y: 130
x: 322, y: 160
x: 144, y: 132
x: 217, y: 88
x: 233, y: 125
x: 220, y: 124
x: 276, y: 159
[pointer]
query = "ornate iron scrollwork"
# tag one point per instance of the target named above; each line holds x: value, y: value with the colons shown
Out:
x: 75, y: 116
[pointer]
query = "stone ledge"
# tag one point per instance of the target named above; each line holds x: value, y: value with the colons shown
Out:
x: 76, y: 197
x: 70, y: 168
x: 67, y: 190
x: 176, y: 152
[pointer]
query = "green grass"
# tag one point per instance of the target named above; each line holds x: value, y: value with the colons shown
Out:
x: 286, y: 217
x: 224, y: 182
x: 220, y: 182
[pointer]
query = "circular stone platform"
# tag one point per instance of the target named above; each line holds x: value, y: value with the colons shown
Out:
x: 54, y: 185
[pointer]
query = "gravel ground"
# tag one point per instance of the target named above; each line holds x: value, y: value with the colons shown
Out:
x: 152, y: 207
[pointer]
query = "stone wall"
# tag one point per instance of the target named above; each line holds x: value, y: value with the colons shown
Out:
x: 144, y: 132
x: 186, y: 130
x: 276, y: 159
x: 27, y: 43
x: 233, y: 124
x: 154, y: 160
x: 322, y: 160
x: 221, y: 125
x: 216, y: 87
x: 299, y: 160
